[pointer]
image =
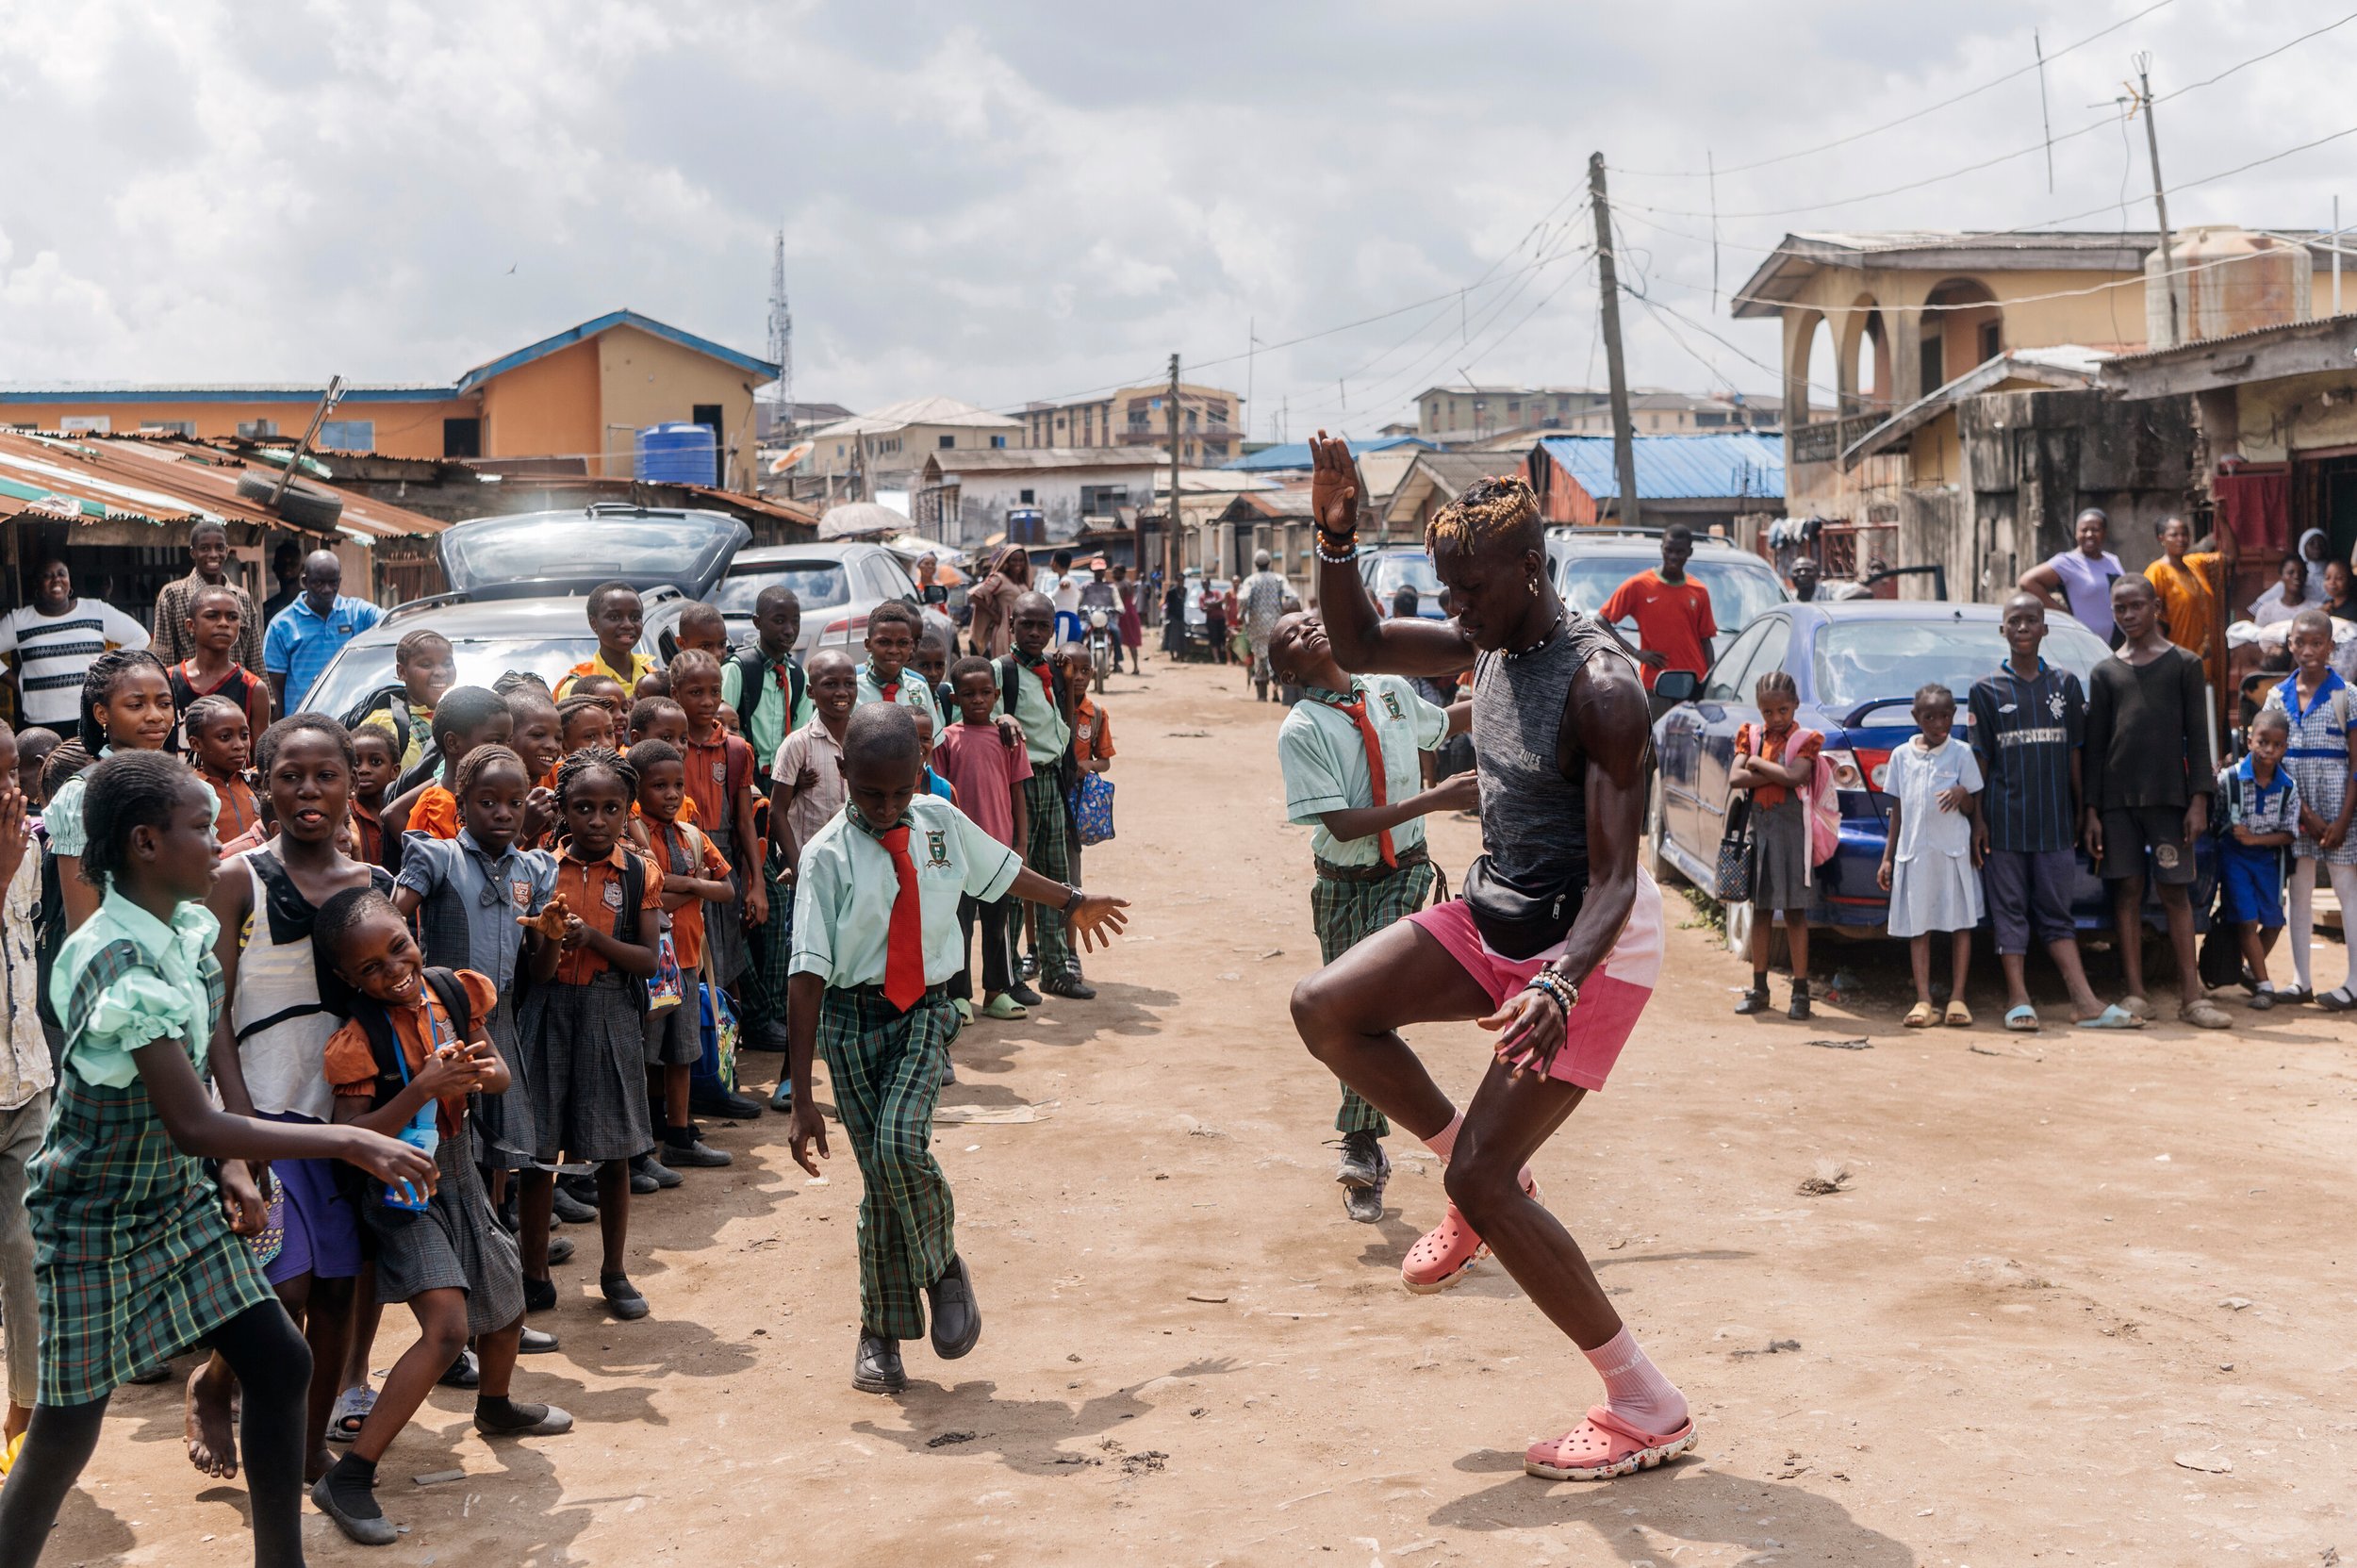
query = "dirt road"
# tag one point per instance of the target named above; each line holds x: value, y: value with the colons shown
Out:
x: 2078, y: 1300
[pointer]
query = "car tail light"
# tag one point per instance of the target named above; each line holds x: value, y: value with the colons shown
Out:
x: 1845, y: 768
x: 845, y: 625
x: 1874, y: 762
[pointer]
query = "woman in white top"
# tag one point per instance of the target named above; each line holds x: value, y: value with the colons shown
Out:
x: 2287, y: 598
x: 56, y: 639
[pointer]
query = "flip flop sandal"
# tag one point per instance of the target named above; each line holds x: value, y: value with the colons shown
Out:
x: 1957, y: 1016
x: 2114, y: 1017
x: 1921, y: 1016
x: 1444, y: 1255
x: 1602, y: 1447
x: 7, y: 1454
x: 351, y: 1413
x: 2022, y: 1020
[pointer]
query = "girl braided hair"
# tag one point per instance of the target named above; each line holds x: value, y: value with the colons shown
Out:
x: 98, y: 686
x: 588, y: 760
x: 473, y: 766
x: 130, y: 789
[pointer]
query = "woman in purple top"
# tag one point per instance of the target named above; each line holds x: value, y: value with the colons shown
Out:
x: 2079, y: 580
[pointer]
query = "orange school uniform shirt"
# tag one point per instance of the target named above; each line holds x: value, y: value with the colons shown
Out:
x: 351, y: 1065
x: 434, y: 813
x: 240, y: 810
x: 676, y: 851
x: 593, y: 890
x: 1092, y: 731
x: 717, y: 770
x: 1673, y: 620
x: 1769, y: 747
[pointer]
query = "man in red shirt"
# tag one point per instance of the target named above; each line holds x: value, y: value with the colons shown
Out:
x: 1672, y: 611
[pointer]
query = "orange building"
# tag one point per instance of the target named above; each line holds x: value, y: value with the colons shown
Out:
x: 577, y: 398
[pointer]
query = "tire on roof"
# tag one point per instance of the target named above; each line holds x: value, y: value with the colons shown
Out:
x: 305, y: 504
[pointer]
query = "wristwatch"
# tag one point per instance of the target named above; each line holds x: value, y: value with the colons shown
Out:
x: 1072, y: 897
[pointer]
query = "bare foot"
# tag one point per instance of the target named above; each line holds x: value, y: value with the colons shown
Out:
x: 319, y: 1462
x: 212, y: 1423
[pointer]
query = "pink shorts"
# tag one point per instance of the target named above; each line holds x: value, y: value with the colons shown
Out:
x: 1610, y: 999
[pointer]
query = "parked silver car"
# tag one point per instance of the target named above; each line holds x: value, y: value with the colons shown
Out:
x: 838, y: 584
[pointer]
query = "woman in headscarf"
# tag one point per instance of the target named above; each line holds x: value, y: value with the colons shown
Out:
x: 2314, y: 549
x: 992, y: 601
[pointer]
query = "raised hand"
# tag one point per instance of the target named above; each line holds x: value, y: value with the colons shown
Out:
x: 1333, y: 486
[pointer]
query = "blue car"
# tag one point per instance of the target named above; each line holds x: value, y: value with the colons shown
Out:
x: 1857, y: 665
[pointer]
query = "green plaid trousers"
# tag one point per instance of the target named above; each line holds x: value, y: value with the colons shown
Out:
x: 1050, y: 855
x: 763, y: 983
x: 885, y: 1066
x: 1346, y: 914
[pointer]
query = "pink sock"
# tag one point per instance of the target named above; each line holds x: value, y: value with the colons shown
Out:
x: 1444, y: 1143
x: 1634, y: 1388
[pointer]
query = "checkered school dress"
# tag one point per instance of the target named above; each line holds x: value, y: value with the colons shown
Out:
x: 584, y: 1047
x: 1348, y: 907
x: 134, y: 1258
x: 886, y: 1069
x: 454, y: 1243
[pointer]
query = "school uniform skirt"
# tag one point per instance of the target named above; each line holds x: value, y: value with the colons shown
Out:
x: 724, y: 924
x: 587, y: 1047
x: 1933, y: 892
x: 454, y: 1243
x: 1780, y: 856
x: 502, y: 1127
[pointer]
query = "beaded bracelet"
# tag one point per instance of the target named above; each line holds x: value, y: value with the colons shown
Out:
x: 1566, y: 995
x: 1348, y: 553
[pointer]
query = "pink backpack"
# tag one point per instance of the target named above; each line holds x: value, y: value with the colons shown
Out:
x: 1823, y: 803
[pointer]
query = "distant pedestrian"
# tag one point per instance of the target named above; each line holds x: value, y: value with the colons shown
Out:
x: 1259, y: 603
x: 1174, y: 620
x: 2028, y: 721
x: 2079, y: 579
x: 305, y: 635
x: 2149, y: 780
x: 209, y: 567
x: 286, y: 570
x: 1774, y: 760
x: 1132, y: 623
x: 56, y: 639
x: 1062, y: 588
x: 992, y: 601
x: 2322, y: 757
x: 2191, y: 584
x: 1806, y: 576
x: 1928, y: 859
x: 1675, y: 624
x: 2287, y: 597
x: 1213, y: 603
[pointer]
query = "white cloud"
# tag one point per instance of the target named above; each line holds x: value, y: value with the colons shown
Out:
x: 1043, y: 196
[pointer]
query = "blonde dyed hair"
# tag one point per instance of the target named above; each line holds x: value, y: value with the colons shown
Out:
x: 1499, y: 511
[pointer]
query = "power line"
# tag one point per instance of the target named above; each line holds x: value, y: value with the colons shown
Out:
x: 1905, y: 119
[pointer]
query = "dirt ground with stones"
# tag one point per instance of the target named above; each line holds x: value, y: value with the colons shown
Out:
x: 2077, y: 1298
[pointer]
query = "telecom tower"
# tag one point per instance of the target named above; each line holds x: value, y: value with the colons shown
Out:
x: 781, y: 338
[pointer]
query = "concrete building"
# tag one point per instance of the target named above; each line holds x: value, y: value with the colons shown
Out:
x: 1433, y: 480
x: 1210, y: 422
x: 963, y: 495
x: 572, y: 399
x: 885, y: 449
x: 1492, y: 416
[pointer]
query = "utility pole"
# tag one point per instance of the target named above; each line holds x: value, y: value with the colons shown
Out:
x: 1608, y: 287
x: 1170, y: 516
x: 2160, y: 196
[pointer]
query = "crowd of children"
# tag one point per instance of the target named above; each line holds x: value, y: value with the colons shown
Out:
x: 2123, y: 766
x: 457, y: 976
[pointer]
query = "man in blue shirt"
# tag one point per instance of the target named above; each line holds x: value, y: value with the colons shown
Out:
x: 307, y: 632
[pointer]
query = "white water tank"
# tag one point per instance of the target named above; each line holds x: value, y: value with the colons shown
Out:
x: 2226, y: 280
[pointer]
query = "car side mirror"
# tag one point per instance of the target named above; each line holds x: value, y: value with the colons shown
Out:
x: 1676, y: 686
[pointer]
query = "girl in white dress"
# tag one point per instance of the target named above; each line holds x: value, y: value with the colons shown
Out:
x: 1929, y: 854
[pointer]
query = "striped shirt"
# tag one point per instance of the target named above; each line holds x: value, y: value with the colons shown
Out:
x: 53, y: 652
x: 2023, y: 732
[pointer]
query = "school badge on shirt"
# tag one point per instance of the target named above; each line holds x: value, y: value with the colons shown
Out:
x: 614, y: 893
x: 520, y: 892
x: 1390, y: 704
x: 720, y: 772
x: 936, y: 846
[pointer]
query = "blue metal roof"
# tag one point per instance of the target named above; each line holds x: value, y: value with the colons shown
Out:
x: 1677, y: 467
x: 612, y: 318
x: 1295, y: 455
x: 165, y: 393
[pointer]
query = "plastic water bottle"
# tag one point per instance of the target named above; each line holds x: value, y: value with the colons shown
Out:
x: 424, y: 1134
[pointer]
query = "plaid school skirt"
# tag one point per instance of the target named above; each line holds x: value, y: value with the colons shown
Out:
x: 451, y: 1244
x: 586, y: 1046
x: 134, y: 1258
x: 501, y: 1128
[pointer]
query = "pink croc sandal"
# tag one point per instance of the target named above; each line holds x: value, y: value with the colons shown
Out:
x: 1442, y: 1255
x: 1602, y: 1447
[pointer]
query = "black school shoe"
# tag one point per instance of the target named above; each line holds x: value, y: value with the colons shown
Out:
x: 642, y: 1175
x: 1754, y: 1001
x: 560, y: 1250
x: 957, y: 1317
x: 354, y: 1507
x: 466, y: 1372
x: 539, y: 1294
x: 876, y: 1368
x: 710, y: 1100
x: 535, y: 1342
x: 1798, y: 1011
x: 621, y: 1297
x: 1024, y: 994
x: 683, y: 1149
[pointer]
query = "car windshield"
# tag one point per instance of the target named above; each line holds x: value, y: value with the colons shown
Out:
x: 1392, y: 572
x: 492, y: 555
x: 359, y: 670
x: 819, y: 585
x: 1739, y: 589
x: 1881, y: 659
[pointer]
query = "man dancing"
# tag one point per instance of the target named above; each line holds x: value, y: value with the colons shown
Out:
x: 1556, y: 945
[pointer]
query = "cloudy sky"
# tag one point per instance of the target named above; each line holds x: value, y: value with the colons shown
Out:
x: 1033, y: 199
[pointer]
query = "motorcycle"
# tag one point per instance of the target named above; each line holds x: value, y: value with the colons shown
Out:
x: 1104, y: 650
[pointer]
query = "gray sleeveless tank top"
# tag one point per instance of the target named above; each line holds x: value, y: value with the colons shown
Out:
x: 1534, y: 821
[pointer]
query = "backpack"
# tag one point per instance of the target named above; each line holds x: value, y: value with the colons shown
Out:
x: 1821, y: 802
x: 379, y: 1025
x: 753, y: 669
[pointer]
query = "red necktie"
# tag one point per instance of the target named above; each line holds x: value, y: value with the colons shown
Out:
x: 1047, y: 685
x: 904, y: 948
x: 891, y: 691
x: 1357, y: 708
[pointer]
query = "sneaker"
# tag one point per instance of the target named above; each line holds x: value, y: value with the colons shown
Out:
x: 1023, y: 995
x: 1069, y: 983
x: 1005, y: 1008
x: 1362, y: 1172
x: 1030, y: 966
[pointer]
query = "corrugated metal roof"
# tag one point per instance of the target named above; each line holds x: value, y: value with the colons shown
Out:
x: 606, y: 322
x: 1003, y: 459
x: 1295, y: 455
x: 95, y: 478
x: 899, y: 416
x: 1677, y: 467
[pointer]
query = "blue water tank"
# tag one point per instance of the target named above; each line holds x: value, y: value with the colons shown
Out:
x: 676, y: 454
